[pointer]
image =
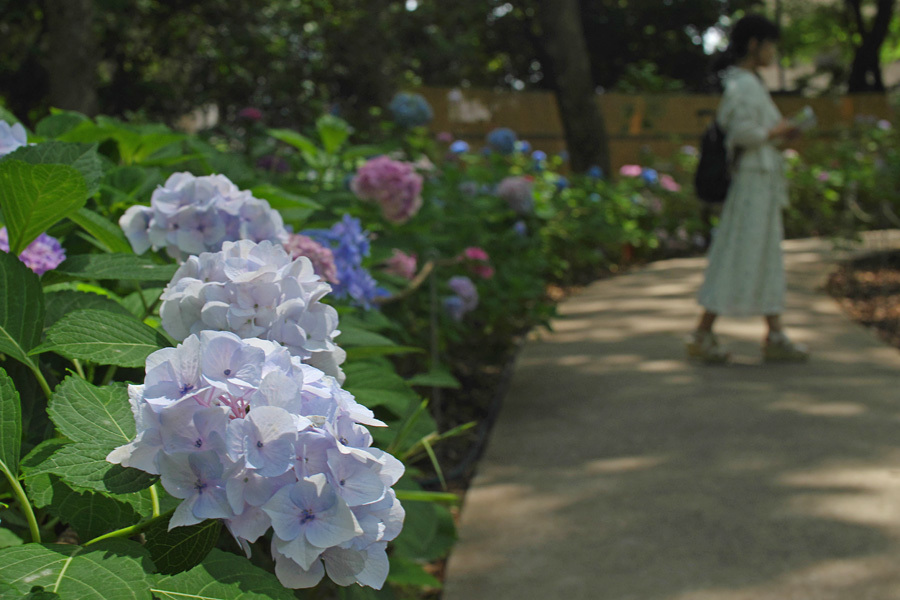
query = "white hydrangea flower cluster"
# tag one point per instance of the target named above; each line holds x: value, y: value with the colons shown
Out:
x: 256, y: 291
x: 243, y: 431
x: 190, y: 215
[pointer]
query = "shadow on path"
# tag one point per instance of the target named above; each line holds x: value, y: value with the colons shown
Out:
x: 619, y: 471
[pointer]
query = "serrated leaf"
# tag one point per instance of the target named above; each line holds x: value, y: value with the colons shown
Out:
x: 222, y: 576
x: 352, y: 336
x: 109, y: 570
x: 115, y: 266
x: 84, y: 467
x: 10, y: 426
x: 106, y: 233
x: 61, y: 303
x: 86, y: 413
x: 82, y: 157
x: 90, y: 514
x: 103, y: 337
x: 21, y: 308
x: 182, y: 548
x: 37, y: 196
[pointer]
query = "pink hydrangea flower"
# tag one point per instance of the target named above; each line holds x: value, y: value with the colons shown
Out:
x: 631, y: 170
x: 516, y: 190
x: 667, y: 182
x: 480, y: 261
x: 393, y: 184
x: 401, y: 264
x: 322, y: 257
x: 824, y: 176
x: 445, y: 137
x: 251, y: 114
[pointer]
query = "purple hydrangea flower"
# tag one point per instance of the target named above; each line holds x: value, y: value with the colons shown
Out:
x: 393, y: 184
x: 241, y: 430
x: 41, y: 255
x: 464, y: 300
x: 190, y: 215
x: 350, y: 245
x: 12, y: 137
x: 410, y: 110
x: 256, y: 291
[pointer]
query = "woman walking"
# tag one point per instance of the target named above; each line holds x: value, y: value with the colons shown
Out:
x: 745, y: 275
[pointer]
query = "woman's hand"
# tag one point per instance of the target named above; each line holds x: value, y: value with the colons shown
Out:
x: 785, y: 130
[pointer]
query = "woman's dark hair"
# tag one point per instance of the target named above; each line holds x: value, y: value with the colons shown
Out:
x: 750, y: 27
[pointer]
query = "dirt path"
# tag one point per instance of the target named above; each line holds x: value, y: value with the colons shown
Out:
x: 618, y: 471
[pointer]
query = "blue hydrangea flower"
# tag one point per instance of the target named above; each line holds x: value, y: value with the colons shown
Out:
x: 256, y: 291
x: 241, y: 430
x: 523, y: 146
x: 595, y: 172
x: 562, y: 183
x: 502, y: 140
x: 459, y: 147
x: 350, y: 245
x: 539, y: 155
x: 520, y: 228
x: 650, y: 176
x: 410, y: 110
x: 11, y: 137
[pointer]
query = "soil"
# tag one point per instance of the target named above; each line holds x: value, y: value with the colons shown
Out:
x: 868, y: 289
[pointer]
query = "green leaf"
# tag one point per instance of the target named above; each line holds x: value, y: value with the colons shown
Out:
x: 363, y: 352
x: 90, y: 514
x: 61, y: 303
x: 59, y: 122
x: 7, y: 539
x: 333, y: 132
x: 86, y: 413
x: 103, y: 337
x: 37, y: 196
x: 106, y: 233
x: 182, y: 548
x: 84, y: 467
x: 82, y: 157
x: 135, y: 305
x: 10, y: 426
x: 438, y: 377
x: 115, y: 266
x: 39, y: 593
x: 406, y: 572
x: 352, y: 336
x: 428, y: 533
x: 293, y: 207
x: 21, y: 308
x: 298, y: 141
x: 222, y: 576
x: 110, y: 570
x: 378, y: 385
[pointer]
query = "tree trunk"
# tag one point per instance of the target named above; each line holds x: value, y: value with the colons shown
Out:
x: 865, y: 73
x: 562, y: 39
x: 72, y: 62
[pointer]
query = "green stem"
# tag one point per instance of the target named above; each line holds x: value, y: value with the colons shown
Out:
x: 19, y: 491
x: 132, y: 530
x: 110, y: 373
x: 154, y: 500
x: 40, y: 378
x: 78, y: 368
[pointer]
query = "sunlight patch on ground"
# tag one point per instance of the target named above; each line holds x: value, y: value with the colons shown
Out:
x: 623, y: 464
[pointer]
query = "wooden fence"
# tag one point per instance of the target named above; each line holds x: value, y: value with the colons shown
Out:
x: 637, y: 124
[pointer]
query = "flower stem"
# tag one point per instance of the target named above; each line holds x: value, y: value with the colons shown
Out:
x: 78, y: 368
x: 23, y: 501
x: 154, y: 500
x: 40, y: 378
x: 132, y: 530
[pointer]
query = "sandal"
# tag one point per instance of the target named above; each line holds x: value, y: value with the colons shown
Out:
x: 704, y: 346
x: 779, y: 348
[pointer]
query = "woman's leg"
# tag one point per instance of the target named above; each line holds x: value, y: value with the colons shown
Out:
x: 706, y: 321
x: 774, y: 323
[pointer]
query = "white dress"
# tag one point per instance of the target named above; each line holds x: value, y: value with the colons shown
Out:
x: 745, y: 275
